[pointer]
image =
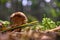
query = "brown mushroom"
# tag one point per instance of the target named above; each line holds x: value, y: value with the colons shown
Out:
x: 18, y: 18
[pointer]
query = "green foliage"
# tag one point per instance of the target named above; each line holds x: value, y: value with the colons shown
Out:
x: 5, y: 23
x: 58, y: 23
x: 47, y: 24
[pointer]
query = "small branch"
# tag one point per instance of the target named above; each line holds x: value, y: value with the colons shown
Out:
x: 22, y: 26
x: 55, y: 29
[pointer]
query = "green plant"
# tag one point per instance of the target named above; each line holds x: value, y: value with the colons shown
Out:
x: 47, y: 24
x: 5, y: 23
x: 58, y: 23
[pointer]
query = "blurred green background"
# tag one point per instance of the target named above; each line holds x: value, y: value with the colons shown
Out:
x: 36, y: 8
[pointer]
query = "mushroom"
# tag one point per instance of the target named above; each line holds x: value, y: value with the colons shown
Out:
x: 18, y: 18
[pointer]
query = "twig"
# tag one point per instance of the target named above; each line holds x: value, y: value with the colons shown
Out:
x: 22, y: 26
x: 55, y: 29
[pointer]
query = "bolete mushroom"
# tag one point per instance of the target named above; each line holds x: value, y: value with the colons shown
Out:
x: 18, y: 18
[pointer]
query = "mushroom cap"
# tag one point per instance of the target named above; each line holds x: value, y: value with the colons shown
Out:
x: 18, y: 18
